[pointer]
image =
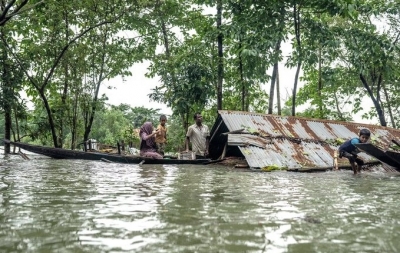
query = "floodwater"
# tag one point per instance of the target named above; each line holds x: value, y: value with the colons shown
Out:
x: 51, y: 205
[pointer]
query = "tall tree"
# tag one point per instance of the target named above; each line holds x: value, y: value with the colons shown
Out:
x: 220, y: 55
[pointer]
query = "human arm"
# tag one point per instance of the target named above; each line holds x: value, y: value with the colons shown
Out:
x: 188, y: 134
x: 147, y: 136
x: 187, y: 143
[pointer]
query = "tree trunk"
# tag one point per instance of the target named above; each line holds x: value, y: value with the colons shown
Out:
x: 389, y: 107
x: 74, y: 122
x: 278, y: 92
x: 282, y: 22
x: 50, y: 118
x: 241, y: 81
x: 376, y: 102
x: 296, y: 18
x: 92, y: 113
x: 16, y: 125
x: 65, y: 90
x: 165, y: 37
x: 338, y: 108
x: 74, y: 119
x: 6, y: 81
x: 7, y: 123
x: 294, y: 94
x: 220, y: 55
x: 273, y: 79
x: 272, y: 89
x: 320, y: 102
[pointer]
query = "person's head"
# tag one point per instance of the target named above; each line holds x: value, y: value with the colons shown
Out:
x: 198, y: 118
x: 364, y: 135
x: 147, y: 128
x: 163, y: 120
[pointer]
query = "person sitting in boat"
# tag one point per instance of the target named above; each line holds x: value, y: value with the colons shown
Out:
x: 199, y: 135
x: 147, y: 141
x: 350, y: 151
x: 161, y: 136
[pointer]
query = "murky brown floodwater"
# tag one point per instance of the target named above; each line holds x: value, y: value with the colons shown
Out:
x: 51, y: 205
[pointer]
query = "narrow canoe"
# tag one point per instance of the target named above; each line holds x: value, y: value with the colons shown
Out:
x: 60, y: 153
x: 391, y: 158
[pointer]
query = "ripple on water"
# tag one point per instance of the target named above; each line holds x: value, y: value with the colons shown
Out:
x: 51, y: 205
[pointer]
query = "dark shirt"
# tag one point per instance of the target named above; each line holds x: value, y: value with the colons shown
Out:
x: 349, y: 147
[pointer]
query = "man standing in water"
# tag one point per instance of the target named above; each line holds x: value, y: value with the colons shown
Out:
x: 199, y: 135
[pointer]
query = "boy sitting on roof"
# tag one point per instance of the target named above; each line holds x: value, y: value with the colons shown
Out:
x: 350, y: 151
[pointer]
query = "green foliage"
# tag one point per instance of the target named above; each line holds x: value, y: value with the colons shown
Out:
x: 138, y: 115
x: 61, y: 52
x: 186, y: 79
x: 335, y: 142
x: 130, y: 136
x: 272, y: 168
x: 109, y: 126
x: 176, y: 135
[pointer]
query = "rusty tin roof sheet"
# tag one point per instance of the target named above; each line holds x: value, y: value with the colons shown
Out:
x: 295, y: 142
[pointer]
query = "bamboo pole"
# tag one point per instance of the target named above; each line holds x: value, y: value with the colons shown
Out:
x: 335, y: 160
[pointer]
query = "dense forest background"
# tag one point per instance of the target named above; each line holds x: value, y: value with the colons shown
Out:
x: 209, y: 55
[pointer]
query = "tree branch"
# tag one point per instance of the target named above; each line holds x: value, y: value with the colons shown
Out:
x: 394, y: 43
x: 49, y: 75
x: 4, y: 18
x: 25, y: 9
x: 4, y: 14
x: 20, y: 64
x: 366, y: 86
x: 19, y: 7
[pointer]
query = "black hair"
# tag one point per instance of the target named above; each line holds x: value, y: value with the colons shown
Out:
x: 365, y: 132
x: 163, y: 117
x: 196, y: 114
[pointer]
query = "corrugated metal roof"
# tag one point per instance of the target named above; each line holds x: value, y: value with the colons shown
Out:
x: 294, y: 142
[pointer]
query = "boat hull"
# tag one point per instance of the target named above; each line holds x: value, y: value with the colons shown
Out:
x: 388, y: 157
x: 59, y: 153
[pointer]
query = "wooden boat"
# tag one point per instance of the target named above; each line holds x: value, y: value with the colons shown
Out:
x: 389, y: 157
x: 60, y: 153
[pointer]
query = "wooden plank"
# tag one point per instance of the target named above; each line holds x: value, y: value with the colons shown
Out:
x: 234, y: 132
x: 224, y: 151
x: 246, y: 140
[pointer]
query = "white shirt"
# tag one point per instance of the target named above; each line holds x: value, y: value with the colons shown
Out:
x: 198, y: 135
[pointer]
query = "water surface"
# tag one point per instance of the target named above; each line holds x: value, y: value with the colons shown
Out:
x: 49, y: 205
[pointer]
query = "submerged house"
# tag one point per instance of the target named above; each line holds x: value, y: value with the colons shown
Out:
x: 288, y: 142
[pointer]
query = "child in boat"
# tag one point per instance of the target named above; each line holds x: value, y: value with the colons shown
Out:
x: 350, y: 151
x: 161, y: 136
x: 148, y: 146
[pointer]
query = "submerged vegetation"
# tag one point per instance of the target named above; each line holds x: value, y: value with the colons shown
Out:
x: 209, y: 55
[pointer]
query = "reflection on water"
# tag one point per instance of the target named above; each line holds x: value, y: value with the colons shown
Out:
x: 51, y: 205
